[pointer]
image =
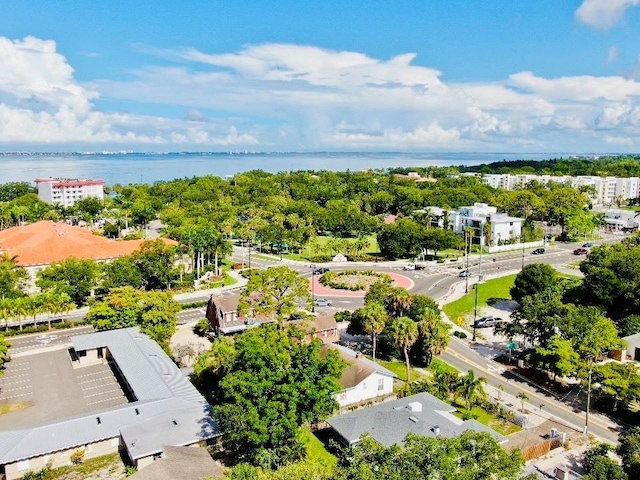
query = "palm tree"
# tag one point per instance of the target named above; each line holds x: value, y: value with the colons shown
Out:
x: 19, y: 309
x: 404, y: 333
x: 399, y: 302
x: 374, y: 321
x: 445, y: 383
x: 5, y: 311
x: 523, y: 398
x: 434, y: 333
x: 471, y: 388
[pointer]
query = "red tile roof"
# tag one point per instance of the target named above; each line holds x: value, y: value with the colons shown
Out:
x: 45, y: 242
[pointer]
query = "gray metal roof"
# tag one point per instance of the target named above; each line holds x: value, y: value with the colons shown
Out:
x: 178, y: 428
x: 150, y: 373
x: 162, y: 392
x: 390, y: 422
x: 369, y: 363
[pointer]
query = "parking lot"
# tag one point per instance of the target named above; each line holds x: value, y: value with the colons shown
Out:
x: 50, y: 388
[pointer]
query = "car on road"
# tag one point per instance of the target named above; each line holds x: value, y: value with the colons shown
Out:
x: 320, y: 270
x: 411, y: 266
x: 323, y: 302
x: 587, y: 245
x: 485, y: 322
x: 580, y: 251
x: 538, y: 251
x: 464, y: 273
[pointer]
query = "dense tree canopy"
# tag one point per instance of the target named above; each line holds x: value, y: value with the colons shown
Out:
x: 471, y: 456
x: 273, y: 385
x: 153, y: 312
x: 533, y: 279
x: 75, y: 277
x: 275, y: 291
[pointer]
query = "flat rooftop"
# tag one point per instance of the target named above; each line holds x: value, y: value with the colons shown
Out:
x: 53, y: 389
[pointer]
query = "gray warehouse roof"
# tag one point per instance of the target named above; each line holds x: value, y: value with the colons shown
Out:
x: 390, y: 422
x: 163, y: 394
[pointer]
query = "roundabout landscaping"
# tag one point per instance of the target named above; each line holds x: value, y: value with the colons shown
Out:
x: 354, y: 283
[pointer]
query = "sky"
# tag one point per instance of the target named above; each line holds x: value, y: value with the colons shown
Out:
x: 335, y: 75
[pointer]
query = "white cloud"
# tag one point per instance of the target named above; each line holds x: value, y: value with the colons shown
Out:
x: 603, y: 14
x: 42, y: 103
x: 612, y: 55
x: 284, y: 96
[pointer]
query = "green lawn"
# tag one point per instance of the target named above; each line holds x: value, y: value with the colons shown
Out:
x: 316, y: 247
x: 400, y: 369
x: 496, y: 288
x: 315, y: 449
x: 500, y: 425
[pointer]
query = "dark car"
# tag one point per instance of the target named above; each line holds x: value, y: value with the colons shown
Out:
x: 587, y: 245
x: 485, y: 322
x: 296, y: 316
x: 538, y: 251
x: 320, y: 270
x: 580, y: 251
x: 464, y: 273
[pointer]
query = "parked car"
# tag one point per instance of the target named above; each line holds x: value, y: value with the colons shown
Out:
x: 323, y: 302
x: 296, y: 316
x: 587, y: 245
x: 485, y: 322
x: 411, y: 266
x: 420, y: 267
x: 538, y: 251
x: 580, y: 251
x: 464, y: 273
x: 320, y: 270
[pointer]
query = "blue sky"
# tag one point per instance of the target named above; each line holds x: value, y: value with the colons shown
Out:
x: 345, y: 75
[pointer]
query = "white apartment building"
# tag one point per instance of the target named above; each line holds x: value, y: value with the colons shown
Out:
x: 66, y: 192
x: 503, y: 227
x: 607, y: 190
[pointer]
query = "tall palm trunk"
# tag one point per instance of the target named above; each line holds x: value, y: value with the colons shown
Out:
x: 406, y: 359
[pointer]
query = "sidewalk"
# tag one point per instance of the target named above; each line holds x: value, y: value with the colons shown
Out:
x: 240, y: 283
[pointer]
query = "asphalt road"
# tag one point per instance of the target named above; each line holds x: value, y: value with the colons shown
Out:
x: 462, y: 357
x: 436, y: 281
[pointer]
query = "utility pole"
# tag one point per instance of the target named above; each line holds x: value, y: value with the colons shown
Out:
x: 586, y: 418
x: 313, y: 287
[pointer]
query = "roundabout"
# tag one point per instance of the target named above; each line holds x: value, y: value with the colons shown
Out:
x: 323, y: 291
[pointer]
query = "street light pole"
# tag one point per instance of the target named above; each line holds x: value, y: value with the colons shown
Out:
x: 522, y: 254
x: 313, y: 287
x: 468, y: 251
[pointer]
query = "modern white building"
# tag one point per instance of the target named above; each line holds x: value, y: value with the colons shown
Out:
x: 66, y: 192
x: 502, y: 227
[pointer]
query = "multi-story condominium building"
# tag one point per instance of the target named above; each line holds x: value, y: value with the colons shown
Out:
x: 606, y: 190
x: 502, y: 228
x: 66, y: 192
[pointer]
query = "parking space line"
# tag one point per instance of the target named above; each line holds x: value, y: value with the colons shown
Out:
x: 106, y: 400
x: 99, y: 386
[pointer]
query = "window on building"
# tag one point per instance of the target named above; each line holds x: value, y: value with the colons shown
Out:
x: 380, y: 384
